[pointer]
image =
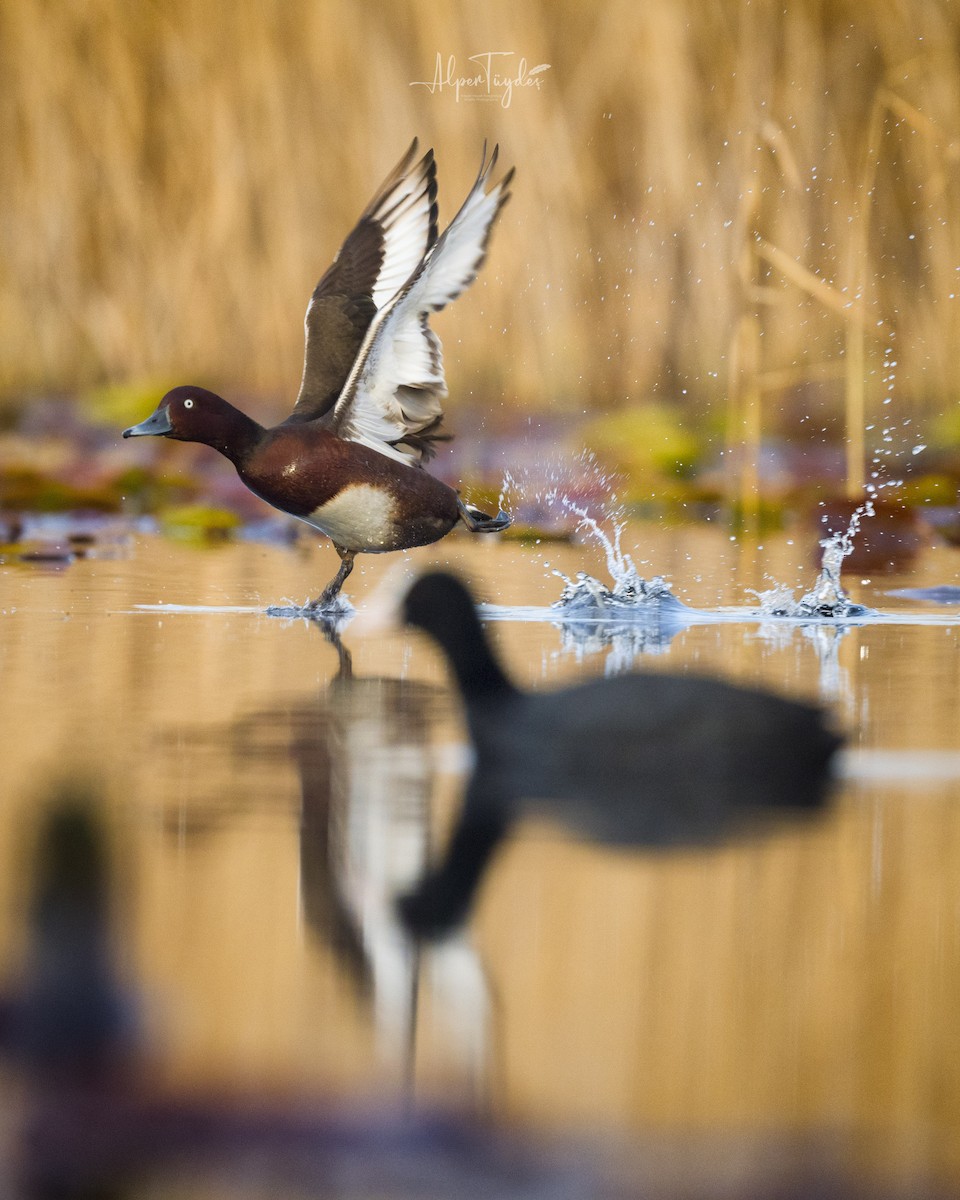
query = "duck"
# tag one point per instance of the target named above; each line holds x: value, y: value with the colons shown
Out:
x: 642, y: 759
x: 349, y: 459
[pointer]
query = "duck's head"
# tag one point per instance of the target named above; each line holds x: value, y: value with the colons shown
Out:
x: 188, y: 414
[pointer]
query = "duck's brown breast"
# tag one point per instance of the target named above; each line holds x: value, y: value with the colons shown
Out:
x: 361, y: 499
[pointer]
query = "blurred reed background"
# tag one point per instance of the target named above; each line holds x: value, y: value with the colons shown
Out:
x: 730, y: 208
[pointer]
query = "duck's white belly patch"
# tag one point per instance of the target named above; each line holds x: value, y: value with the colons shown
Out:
x: 360, y: 517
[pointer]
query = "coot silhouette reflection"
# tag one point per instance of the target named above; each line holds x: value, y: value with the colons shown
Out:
x: 641, y: 759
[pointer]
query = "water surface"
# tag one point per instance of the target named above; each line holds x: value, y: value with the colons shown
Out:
x: 269, y: 792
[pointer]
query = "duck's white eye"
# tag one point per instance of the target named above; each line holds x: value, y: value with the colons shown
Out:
x: 188, y: 404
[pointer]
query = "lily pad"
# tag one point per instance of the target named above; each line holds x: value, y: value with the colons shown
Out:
x: 198, y: 523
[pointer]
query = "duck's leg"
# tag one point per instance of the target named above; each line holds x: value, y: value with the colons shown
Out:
x: 332, y: 590
x: 481, y: 522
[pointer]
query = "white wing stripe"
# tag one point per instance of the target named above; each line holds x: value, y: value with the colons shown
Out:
x: 397, y: 383
x: 404, y: 215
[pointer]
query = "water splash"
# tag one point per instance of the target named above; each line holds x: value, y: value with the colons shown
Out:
x: 630, y: 591
x: 631, y: 596
x: 539, y: 493
x: 827, y: 597
x: 334, y: 616
x: 630, y: 600
x: 635, y: 616
x: 559, y: 493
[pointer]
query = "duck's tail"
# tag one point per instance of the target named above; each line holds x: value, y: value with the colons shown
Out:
x: 481, y: 522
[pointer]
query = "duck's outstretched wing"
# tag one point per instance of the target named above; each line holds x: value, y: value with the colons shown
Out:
x: 392, y: 398
x: 396, y: 230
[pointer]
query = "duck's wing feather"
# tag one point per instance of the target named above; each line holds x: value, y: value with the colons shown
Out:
x: 382, y: 251
x: 392, y: 398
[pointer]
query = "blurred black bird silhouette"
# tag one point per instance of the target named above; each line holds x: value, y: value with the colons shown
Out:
x: 71, y: 1020
x: 642, y: 759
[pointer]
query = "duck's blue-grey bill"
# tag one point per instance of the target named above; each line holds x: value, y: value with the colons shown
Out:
x: 156, y: 425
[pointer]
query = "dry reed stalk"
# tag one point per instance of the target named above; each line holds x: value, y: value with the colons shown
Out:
x: 174, y: 178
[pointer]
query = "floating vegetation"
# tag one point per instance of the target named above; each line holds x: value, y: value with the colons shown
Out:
x: 199, y: 523
x: 58, y: 539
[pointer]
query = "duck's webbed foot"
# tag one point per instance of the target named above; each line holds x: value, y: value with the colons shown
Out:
x: 481, y: 522
x: 329, y: 606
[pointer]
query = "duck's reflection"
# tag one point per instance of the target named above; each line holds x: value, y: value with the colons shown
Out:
x: 366, y: 783
x: 325, y: 910
x: 365, y: 763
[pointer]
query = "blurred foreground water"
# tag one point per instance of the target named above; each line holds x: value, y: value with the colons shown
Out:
x: 267, y: 792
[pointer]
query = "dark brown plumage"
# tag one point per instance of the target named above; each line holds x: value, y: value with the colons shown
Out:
x: 368, y: 414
